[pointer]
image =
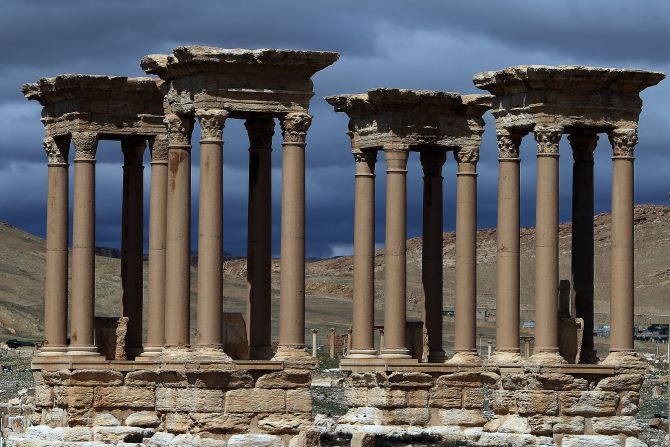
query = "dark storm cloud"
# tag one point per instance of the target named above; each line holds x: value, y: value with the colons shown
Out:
x: 418, y: 44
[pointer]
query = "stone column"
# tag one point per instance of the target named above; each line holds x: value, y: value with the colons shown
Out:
x: 83, y: 245
x: 431, y: 270
x: 582, y: 253
x: 210, y: 233
x: 157, y: 223
x: 132, y: 242
x: 508, y: 260
x: 395, y: 278
x: 178, y: 232
x: 55, y: 284
x: 363, y: 317
x: 259, y: 238
x: 622, y: 304
x: 546, y: 247
x: 292, y: 265
x: 465, y: 343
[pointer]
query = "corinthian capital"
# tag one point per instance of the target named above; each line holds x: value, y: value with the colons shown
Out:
x: 294, y: 127
x: 56, y: 153
x: 432, y: 161
x: 159, y: 148
x: 260, y: 131
x: 623, y: 142
x: 212, y: 122
x: 583, y: 145
x: 508, y: 143
x: 85, y: 145
x: 179, y: 129
x: 548, y: 139
x: 467, y: 155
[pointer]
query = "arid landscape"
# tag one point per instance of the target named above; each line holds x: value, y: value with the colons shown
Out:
x: 329, y: 282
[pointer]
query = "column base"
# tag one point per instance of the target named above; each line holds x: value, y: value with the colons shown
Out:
x: 622, y: 358
x: 295, y: 356
x: 362, y: 354
x: 505, y: 358
x: 52, y: 351
x: 261, y: 353
x: 395, y: 353
x: 177, y: 353
x: 82, y: 350
x: 151, y: 351
x: 437, y: 356
x: 465, y: 358
x: 546, y: 358
x: 212, y: 354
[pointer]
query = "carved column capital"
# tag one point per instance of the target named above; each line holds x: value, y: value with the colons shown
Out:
x: 623, y: 142
x: 467, y: 155
x: 260, y: 131
x: 583, y: 145
x: 85, y: 145
x: 179, y: 128
x: 396, y: 159
x: 133, y: 150
x: 365, y: 161
x: 548, y: 139
x: 432, y: 161
x: 294, y: 127
x: 509, y: 142
x: 57, y: 151
x: 159, y: 148
x: 212, y: 122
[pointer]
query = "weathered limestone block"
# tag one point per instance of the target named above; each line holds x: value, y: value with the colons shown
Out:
x: 121, y: 434
x: 360, y: 439
x: 408, y: 416
x: 634, y: 442
x: 80, y: 417
x: 255, y: 441
x: 590, y: 441
x: 144, y: 419
x: 561, y: 382
x: 473, y: 398
x: 54, y: 417
x: 44, y: 433
x: 285, y: 423
x: 367, y: 380
x: 52, y: 378
x: 629, y: 403
x: 255, y: 400
x: 461, y: 379
x: 537, y: 402
x: 621, y: 382
x: 77, y: 434
x: 74, y: 396
x: 410, y: 380
x: 142, y: 377
x: 356, y: 397
x: 221, y: 422
x: 615, y: 425
x: 465, y: 418
x: 177, y: 422
x: 219, y: 378
x: 445, y: 397
x: 160, y: 439
x: 195, y: 399
x: 94, y: 377
x: 547, y: 425
x: 387, y: 398
x: 514, y: 382
x: 507, y: 440
x: 124, y: 397
x: 188, y: 440
x: 417, y: 398
x: 44, y: 396
x: 105, y: 420
x: 508, y: 424
x: 503, y: 402
x: 307, y: 438
x: 299, y: 401
x: 588, y: 403
x: 286, y: 379
x: 362, y: 416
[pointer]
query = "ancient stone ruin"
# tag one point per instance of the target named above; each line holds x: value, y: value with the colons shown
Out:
x: 163, y: 390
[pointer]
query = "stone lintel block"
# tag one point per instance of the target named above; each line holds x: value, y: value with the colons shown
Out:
x: 124, y: 397
x: 588, y: 403
x: 189, y: 400
x: 356, y: 397
x: 537, y: 402
x: 387, y: 398
x: 473, y: 398
x: 463, y: 418
x: 446, y: 397
x: 284, y: 423
x: 287, y: 379
x: 219, y: 378
x: 503, y: 402
x: 417, y: 398
x: 621, y: 382
x: 44, y: 396
x: 299, y: 401
x: 221, y: 422
x: 615, y: 425
x: 590, y: 441
x: 408, y: 416
x: 255, y: 400
x: 407, y: 380
x: 74, y: 396
x: 464, y: 379
x: 177, y: 422
x: 95, y: 377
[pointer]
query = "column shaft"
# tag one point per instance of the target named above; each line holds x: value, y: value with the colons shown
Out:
x: 395, y: 281
x: 55, y: 286
x: 259, y: 239
x: 363, y: 317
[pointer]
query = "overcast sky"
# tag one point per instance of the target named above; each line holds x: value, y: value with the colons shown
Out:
x: 411, y: 44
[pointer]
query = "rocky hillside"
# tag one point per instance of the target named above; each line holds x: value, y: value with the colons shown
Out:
x: 329, y: 281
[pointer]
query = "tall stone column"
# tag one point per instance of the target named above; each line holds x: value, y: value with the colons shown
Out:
x: 508, y: 260
x: 210, y: 232
x: 132, y: 242
x: 178, y: 232
x: 546, y: 247
x: 259, y: 239
x: 83, y: 245
x: 582, y: 253
x: 157, y: 223
x: 55, y: 284
x: 622, y: 303
x: 431, y: 257
x: 292, y: 265
x: 465, y: 344
x: 395, y: 278
x: 363, y: 316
